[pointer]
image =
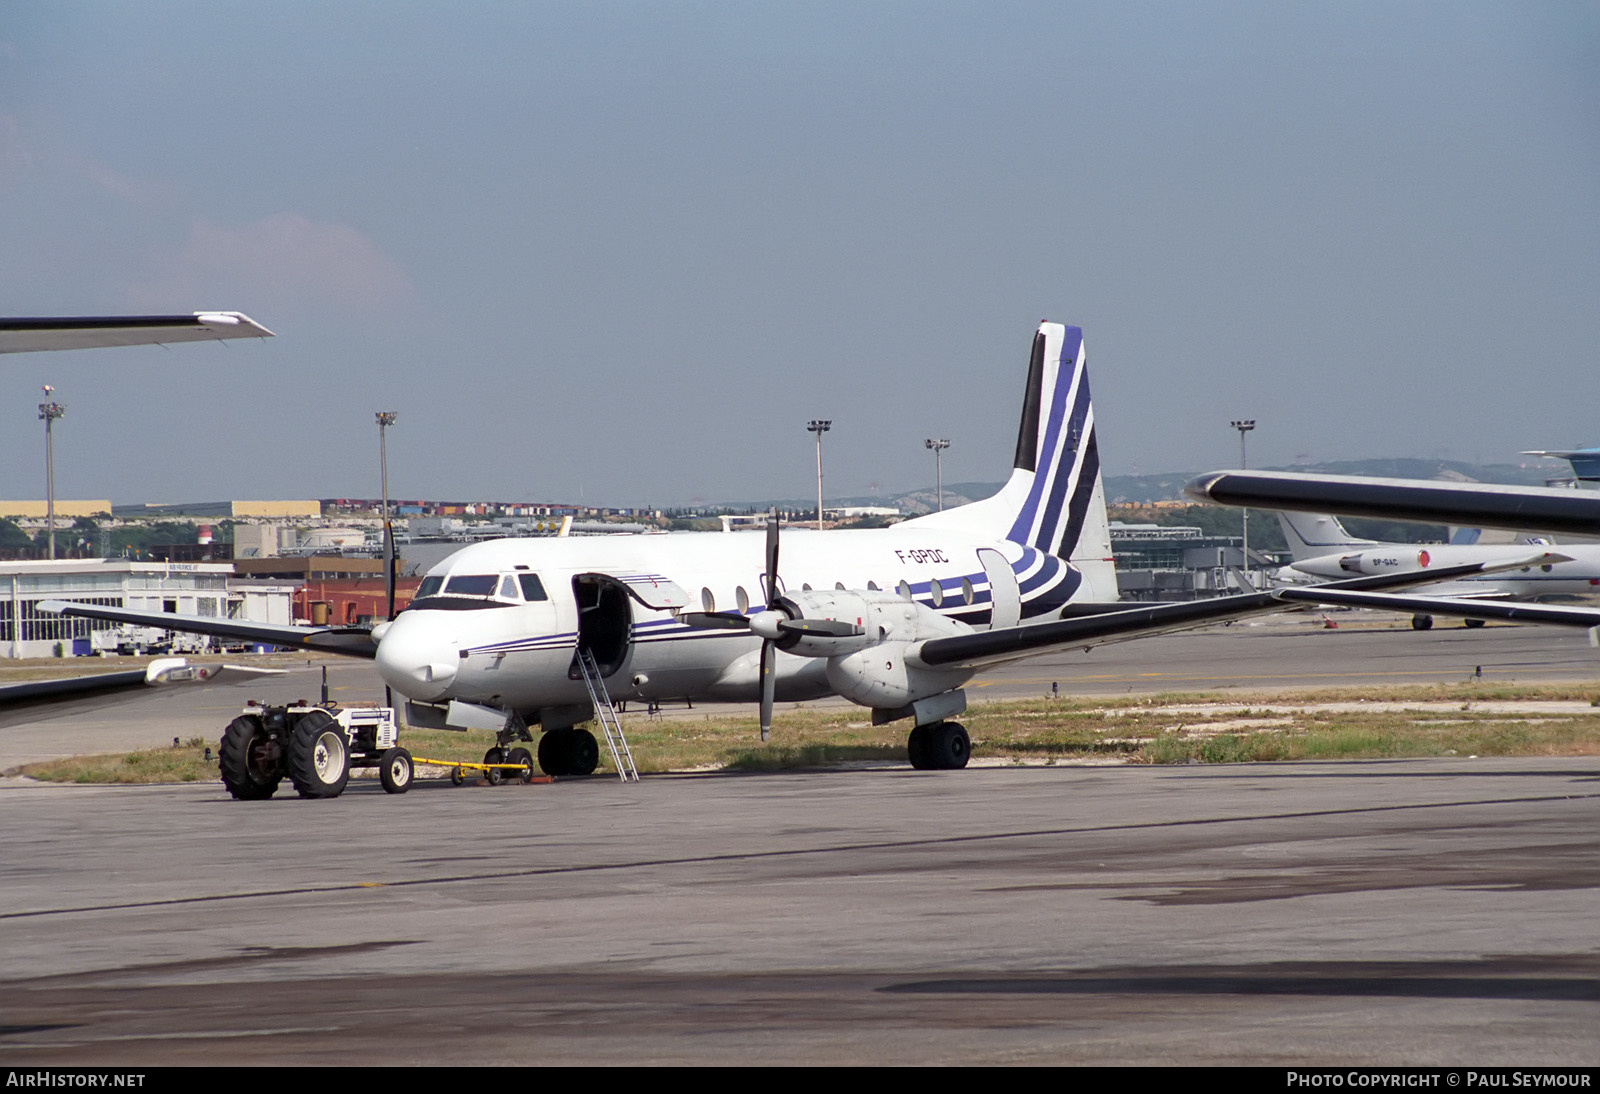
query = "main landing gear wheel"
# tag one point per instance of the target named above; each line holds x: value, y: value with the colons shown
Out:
x: 584, y: 756
x: 917, y: 748
x: 1472, y: 622
x: 395, y: 770
x: 493, y: 775
x: 525, y: 758
x: 948, y: 746
x: 555, y: 746
x: 251, y: 763
x: 568, y: 752
x: 319, y: 762
x: 1422, y: 622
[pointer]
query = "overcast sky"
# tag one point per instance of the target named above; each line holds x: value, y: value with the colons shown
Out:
x: 621, y: 252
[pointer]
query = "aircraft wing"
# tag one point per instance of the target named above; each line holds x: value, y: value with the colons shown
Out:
x: 1009, y: 643
x: 18, y: 702
x: 90, y: 332
x: 1477, y: 505
x: 351, y: 641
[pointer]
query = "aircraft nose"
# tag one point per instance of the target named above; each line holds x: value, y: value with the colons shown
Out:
x: 416, y: 661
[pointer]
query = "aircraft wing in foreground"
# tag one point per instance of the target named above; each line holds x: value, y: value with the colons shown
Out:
x: 91, y: 332
x: 22, y: 702
x: 1476, y: 505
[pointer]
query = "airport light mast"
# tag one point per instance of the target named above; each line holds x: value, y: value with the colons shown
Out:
x: 819, y: 426
x: 1245, y: 425
x: 49, y: 411
x: 938, y: 447
x: 386, y: 419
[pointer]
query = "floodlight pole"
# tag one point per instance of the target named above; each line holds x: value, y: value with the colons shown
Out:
x: 49, y: 411
x: 819, y: 426
x: 938, y: 447
x: 386, y: 419
x: 1245, y: 425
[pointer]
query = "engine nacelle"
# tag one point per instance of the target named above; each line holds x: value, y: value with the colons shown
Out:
x: 881, y: 678
x: 882, y: 616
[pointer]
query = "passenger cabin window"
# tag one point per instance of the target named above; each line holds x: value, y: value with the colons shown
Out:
x: 707, y: 601
x: 741, y: 598
x: 532, y: 587
x: 904, y: 590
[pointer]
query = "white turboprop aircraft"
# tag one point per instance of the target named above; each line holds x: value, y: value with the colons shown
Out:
x: 1322, y: 548
x: 517, y: 633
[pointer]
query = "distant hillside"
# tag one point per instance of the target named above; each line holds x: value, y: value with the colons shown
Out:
x: 1144, y: 489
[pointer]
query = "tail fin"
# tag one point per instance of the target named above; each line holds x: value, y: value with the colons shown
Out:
x: 1054, y: 501
x: 1312, y: 535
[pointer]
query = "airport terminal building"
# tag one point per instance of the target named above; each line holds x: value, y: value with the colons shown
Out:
x: 190, y: 588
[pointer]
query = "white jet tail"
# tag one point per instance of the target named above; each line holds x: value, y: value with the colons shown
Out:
x: 1054, y: 503
x: 1313, y: 535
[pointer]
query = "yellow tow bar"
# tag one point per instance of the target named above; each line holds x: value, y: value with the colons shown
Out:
x: 493, y: 774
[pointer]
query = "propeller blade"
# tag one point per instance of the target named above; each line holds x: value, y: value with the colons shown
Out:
x: 769, y: 684
x: 715, y: 621
x: 389, y: 567
x: 772, y: 557
x: 827, y: 628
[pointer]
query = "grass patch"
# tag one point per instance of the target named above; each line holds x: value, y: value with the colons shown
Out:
x: 1432, y: 720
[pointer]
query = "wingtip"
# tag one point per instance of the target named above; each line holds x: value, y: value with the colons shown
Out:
x: 1199, y: 487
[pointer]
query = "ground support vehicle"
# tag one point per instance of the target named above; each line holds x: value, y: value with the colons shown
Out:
x: 314, y: 745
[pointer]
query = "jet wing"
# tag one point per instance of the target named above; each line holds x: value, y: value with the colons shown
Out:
x: 18, y: 702
x: 1010, y: 643
x: 1476, y: 505
x: 1513, y: 611
x: 90, y: 332
x: 351, y: 641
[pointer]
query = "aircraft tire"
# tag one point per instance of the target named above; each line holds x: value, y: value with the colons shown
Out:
x: 917, y: 748
x: 1472, y: 622
x: 584, y: 755
x: 395, y: 770
x: 525, y: 758
x: 493, y: 775
x: 251, y: 767
x: 319, y: 757
x: 1422, y: 622
x: 555, y: 751
x: 948, y: 746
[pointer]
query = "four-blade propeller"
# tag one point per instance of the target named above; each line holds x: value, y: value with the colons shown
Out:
x: 780, y: 624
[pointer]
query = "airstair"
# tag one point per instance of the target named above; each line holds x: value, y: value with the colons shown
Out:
x: 606, y: 714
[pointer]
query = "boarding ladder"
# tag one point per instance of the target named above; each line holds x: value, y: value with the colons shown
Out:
x: 606, y: 714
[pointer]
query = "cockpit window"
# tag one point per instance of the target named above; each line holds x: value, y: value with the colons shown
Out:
x: 471, y: 585
x: 429, y: 586
x: 508, y: 588
x: 532, y: 588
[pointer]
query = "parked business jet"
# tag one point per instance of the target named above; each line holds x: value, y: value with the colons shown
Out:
x: 515, y: 634
x: 1323, y: 549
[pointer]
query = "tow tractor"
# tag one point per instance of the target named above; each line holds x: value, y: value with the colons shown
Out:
x: 317, y: 745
